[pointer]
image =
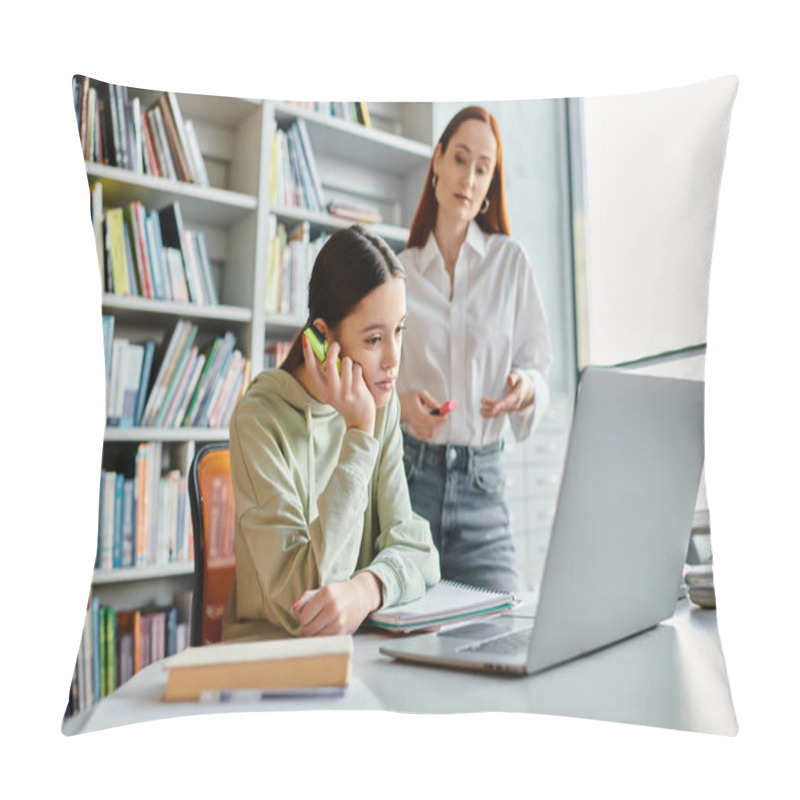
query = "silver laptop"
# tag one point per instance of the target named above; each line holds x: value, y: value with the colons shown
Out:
x: 620, y: 533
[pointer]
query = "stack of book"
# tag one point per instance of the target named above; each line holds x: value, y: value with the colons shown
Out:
x: 295, y: 181
x: 144, y: 517
x: 116, y: 644
x: 356, y: 112
x: 193, y: 387
x: 290, y: 259
x: 151, y: 253
x: 116, y: 130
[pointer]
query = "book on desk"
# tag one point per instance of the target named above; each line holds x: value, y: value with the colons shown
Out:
x: 280, y: 665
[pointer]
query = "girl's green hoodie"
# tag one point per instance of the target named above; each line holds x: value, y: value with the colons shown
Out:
x: 316, y: 503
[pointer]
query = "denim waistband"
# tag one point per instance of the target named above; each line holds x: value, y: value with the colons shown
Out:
x: 461, y: 458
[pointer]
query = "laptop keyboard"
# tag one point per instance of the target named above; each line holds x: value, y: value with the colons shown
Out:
x: 480, y: 630
x: 504, y: 645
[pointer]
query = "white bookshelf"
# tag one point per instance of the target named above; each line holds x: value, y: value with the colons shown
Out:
x: 136, y: 307
x: 384, y: 165
x: 131, y: 574
x: 168, y: 435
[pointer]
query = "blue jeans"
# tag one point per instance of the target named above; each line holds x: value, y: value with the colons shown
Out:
x: 459, y: 490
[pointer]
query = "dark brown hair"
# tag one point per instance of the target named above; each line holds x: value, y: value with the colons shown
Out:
x: 349, y: 266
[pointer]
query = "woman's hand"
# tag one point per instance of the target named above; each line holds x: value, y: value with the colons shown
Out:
x: 518, y: 396
x: 346, y: 391
x: 415, y: 409
x: 338, y: 608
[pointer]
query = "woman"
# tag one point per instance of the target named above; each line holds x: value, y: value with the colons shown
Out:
x: 325, y: 533
x: 479, y: 337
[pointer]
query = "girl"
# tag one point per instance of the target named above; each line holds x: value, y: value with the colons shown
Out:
x: 325, y: 533
x: 480, y: 338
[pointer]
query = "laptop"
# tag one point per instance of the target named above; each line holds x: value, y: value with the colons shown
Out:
x: 620, y: 532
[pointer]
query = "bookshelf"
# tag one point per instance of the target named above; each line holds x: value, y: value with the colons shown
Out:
x: 383, y: 166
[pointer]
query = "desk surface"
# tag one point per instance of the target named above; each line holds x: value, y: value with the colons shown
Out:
x: 672, y: 676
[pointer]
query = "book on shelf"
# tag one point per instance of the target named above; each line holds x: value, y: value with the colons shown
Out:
x: 194, y: 386
x: 132, y: 216
x: 108, y: 641
x: 356, y: 112
x: 298, y: 170
x: 182, y: 338
x: 95, y: 645
x: 363, y: 114
x: 150, y: 253
x: 276, y: 243
x: 355, y: 212
x: 128, y: 368
x: 303, y: 663
x: 274, y: 167
x: 137, y: 154
x: 197, y: 266
x: 108, y: 340
x: 195, y: 154
x: 275, y: 354
x: 149, y: 154
x: 143, y: 517
x: 290, y: 259
x: 118, y: 643
x: 115, y: 254
x: 116, y: 130
x: 96, y: 206
x: 176, y: 137
x: 295, y: 180
x: 311, y: 164
x: 155, y: 121
x: 216, y: 359
x: 443, y: 604
x: 83, y: 673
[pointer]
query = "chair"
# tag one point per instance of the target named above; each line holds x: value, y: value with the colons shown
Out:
x: 212, y: 509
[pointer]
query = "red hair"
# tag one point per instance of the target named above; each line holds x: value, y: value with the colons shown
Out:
x: 495, y: 220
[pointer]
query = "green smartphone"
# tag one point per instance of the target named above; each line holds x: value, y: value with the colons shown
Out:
x: 319, y: 344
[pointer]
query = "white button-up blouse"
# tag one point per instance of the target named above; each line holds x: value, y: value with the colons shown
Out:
x: 463, y: 349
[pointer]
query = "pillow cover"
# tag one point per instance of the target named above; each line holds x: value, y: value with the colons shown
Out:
x: 200, y: 175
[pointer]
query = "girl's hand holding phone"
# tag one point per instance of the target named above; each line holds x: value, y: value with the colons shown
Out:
x: 345, y: 390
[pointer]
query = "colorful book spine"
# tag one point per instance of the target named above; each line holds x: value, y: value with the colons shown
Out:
x: 144, y: 380
x: 119, y: 508
x: 115, y: 244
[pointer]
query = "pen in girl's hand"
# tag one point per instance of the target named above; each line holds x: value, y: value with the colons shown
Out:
x: 444, y: 409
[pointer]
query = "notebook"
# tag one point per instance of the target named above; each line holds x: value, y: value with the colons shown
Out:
x: 445, y: 603
x: 619, y: 538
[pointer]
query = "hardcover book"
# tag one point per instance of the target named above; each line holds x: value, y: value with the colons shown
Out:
x: 302, y: 663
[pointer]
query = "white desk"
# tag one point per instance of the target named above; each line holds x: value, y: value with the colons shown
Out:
x: 672, y: 676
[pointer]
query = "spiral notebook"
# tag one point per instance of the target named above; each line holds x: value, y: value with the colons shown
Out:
x: 446, y: 602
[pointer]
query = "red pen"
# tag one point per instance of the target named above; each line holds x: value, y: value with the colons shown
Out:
x: 445, y: 408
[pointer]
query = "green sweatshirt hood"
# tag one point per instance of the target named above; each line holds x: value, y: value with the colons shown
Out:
x: 280, y: 383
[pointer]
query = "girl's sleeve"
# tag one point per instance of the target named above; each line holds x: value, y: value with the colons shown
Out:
x: 531, y: 349
x: 406, y: 562
x: 279, y: 555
